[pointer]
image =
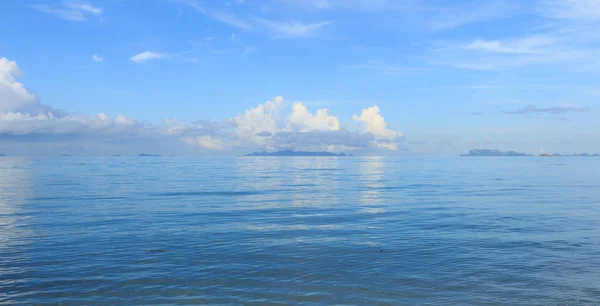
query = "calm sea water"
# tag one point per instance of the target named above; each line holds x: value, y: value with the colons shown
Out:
x: 268, y: 231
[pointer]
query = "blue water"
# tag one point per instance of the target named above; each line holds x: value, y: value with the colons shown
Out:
x: 275, y: 231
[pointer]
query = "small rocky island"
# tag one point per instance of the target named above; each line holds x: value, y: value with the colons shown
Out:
x: 295, y: 153
x: 493, y: 153
x: 148, y: 155
x: 3, y: 155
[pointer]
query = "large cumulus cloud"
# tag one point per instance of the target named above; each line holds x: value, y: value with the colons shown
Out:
x: 265, y: 126
x: 14, y: 97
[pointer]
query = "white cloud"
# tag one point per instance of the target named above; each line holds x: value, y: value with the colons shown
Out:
x: 375, y: 124
x: 148, y: 55
x: 291, y: 29
x: 83, y: 7
x: 262, y: 118
x: 263, y: 126
x: 209, y: 142
x: 14, y: 94
x: 98, y: 59
x: 14, y: 97
x: 71, y: 11
x: 303, y: 120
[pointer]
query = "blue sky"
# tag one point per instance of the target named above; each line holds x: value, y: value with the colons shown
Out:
x: 417, y: 77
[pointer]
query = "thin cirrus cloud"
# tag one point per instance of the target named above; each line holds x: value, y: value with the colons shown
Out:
x: 568, y: 38
x: 71, y: 11
x: 446, y: 15
x: 294, y: 29
x: 277, y: 29
x: 265, y: 126
x: 148, y: 55
x: 221, y: 16
x: 502, y: 54
x: 582, y: 10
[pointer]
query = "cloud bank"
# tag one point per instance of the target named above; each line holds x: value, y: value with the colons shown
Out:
x: 274, y: 124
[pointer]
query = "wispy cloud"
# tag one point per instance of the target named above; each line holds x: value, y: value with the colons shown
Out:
x: 363, y: 6
x: 291, y: 29
x: 534, y: 110
x: 98, y: 59
x: 221, y: 16
x: 148, y: 55
x: 71, y: 11
x: 248, y: 50
x: 432, y: 15
x: 501, y: 54
x: 454, y: 16
x: 277, y: 29
x: 231, y: 20
x: 528, y: 45
x: 582, y: 10
x: 192, y: 4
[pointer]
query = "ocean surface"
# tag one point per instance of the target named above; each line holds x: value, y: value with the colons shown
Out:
x: 300, y: 230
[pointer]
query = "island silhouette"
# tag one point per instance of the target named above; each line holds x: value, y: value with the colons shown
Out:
x: 295, y: 153
x: 147, y: 155
x: 477, y: 152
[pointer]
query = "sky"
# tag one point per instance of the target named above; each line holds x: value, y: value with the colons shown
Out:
x: 370, y: 77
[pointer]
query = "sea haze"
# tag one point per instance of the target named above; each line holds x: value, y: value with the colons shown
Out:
x: 314, y: 230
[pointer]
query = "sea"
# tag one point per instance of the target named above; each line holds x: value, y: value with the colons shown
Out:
x: 300, y: 231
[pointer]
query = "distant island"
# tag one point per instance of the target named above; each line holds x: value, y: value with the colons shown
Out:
x: 3, y: 154
x: 116, y: 155
x: 493, y: 153
x: 577, y: 155
x: 148, y: 155
x: 295, y: 153
x: 66, y: 155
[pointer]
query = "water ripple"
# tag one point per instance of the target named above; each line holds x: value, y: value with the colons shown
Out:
x: 348, y: 231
